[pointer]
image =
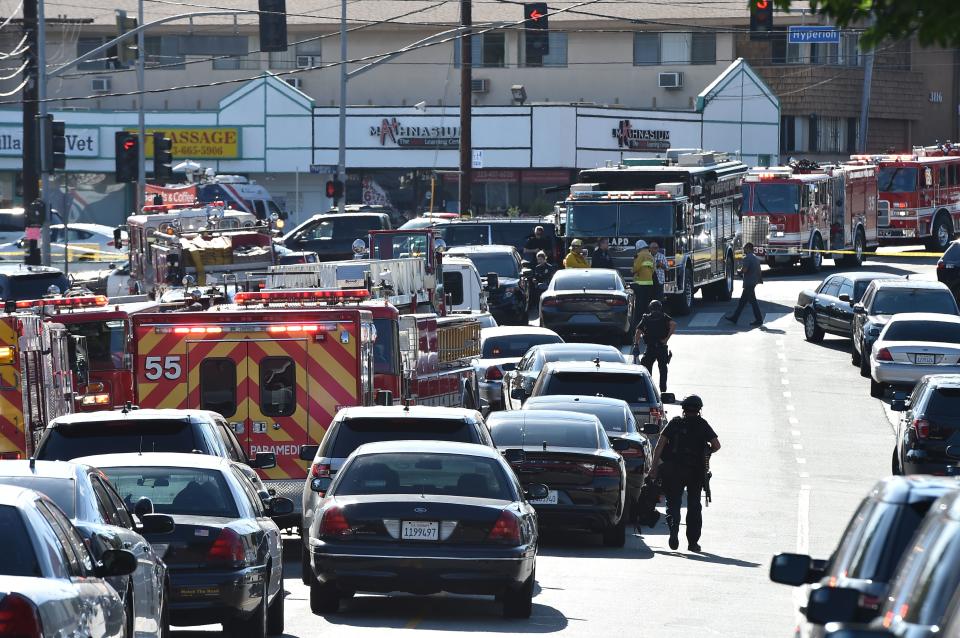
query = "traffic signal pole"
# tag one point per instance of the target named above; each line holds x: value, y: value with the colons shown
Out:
x: 30, y: 186
x: 42, y: 131
x: 466, y: 106
x: 342, y: 147
x: 141, y: 125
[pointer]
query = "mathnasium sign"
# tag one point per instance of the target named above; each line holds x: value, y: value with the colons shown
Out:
x: 198, y: 143
x: 813, y: 35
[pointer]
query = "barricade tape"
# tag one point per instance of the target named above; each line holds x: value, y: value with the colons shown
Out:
x: 850, y: 252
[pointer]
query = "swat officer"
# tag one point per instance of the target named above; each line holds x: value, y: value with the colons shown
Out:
x: 683, y: 447
x: 655, y: 329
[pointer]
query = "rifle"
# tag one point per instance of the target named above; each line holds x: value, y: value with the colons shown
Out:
x: 707, y: 475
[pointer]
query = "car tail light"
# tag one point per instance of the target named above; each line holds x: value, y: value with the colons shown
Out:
x: 320, y: 470
x: 493, y: 374
x: 228, y: 548
x: 616, y: 301
x: 10, y: 456
x: 19, y: 617
x: 922, y: 428
x: 871, y: 602
x: 884, y: 355
x: 605, y: 470
x: 550, y: 302
x: 631, y: 452
x: 506, y: 529
x: 334, y: 523
x: 656, y: 416
x: 941, y: 265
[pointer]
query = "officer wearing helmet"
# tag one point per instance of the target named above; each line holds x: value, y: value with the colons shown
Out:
x: 683, y: 447
x: 655, y: 329
x: 575, y: 258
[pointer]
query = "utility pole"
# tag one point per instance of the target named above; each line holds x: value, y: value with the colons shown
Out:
x: 466, y: 80
x: 141, y: 128
x: 45, y: 178
x: 865, y: 100
x: 342, y: 148
x: 30, y: 183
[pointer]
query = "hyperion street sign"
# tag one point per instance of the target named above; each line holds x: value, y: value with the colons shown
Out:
x: 813, y: 35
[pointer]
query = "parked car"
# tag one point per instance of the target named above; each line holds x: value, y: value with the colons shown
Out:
x: 500, y: 350
x: 926, y: 580
x: 19, y: 282
x: 331, y: 235
x: 50, y: 585
x: 424, y: 517
x: 928, y: 433
x: 630, y: 383
x: 885, y: 298
x: 224, y: 559
x: 509, y: 299
x: 12, y: 224
x: 85, y: 495
x: 518, y: 383
x: 512, y: 231
x: 569, y: 452
x: 877, y: 536
x: 948, y: 268
x: 353, y: 427
x: 829, y: 308
x: 619, y: 424
x: 911, y: 345
x: 590, y: 303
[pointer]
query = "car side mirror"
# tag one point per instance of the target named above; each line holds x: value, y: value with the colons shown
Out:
x: 279, y: 506
x: 518, y: 393
x: 264, y: 460
x: 651, y: 428
x: 321, y: 485
x: 115, y: 562
x: 493, y: 281
x: 83, y: 372
x: 859, y: 309
x: 117, y: 238
x: 833, y: 604
x: 156, y: 524
x: 308, y: 452
x: 668, y: 397
x: 620, y: 445
x: 898, y: 405
x: 844, y: 297
x: 514, y: 455
x: 536, y: 491
x: 792, y: 569
x: 143, y: 507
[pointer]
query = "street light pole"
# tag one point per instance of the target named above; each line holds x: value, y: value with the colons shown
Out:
x: 141, y: 125
x: 342, y: 149
x: 45, y: 178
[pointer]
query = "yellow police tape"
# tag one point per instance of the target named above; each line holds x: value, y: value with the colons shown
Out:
x: 81, y: 256
x: 853, y: 252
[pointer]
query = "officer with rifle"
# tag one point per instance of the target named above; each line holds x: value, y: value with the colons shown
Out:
x: 685, y: 446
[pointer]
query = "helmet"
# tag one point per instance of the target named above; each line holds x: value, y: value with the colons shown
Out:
x: 576, y: 243
x: 655, y: 306
x: 692, y: 403
x: 640, y: 245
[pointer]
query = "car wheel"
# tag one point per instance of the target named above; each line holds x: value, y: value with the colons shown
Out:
x: 519, y: 603
x: 859, y: 247
x: 854, y: 355
x: 877, y: 390
x: 275, y: 624
x: 941, y: 235
x: 864, y: 361
x: 306, y: 572
x: 811, y: 331
x: 896, y: 467
x: 725, y: 288
x: 324, y: 598
x: 683, y: 303
x: 814, y: 263
x: 616, y: 536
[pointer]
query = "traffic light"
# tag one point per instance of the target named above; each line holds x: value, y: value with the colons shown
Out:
x: 162, y: 159
x: 127, y: 49
x: 536, y: 35
x: 53, y: 152
x: 35, y: 214
x: 126, y: 149
x: 273, y: 25
x: 335, y: 190
x: 761, y: 19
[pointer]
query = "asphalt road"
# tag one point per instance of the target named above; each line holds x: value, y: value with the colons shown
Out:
x: 802, y: 443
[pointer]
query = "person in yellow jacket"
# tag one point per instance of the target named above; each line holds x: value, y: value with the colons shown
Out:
x: 643, y: 274
x: 575, y: 258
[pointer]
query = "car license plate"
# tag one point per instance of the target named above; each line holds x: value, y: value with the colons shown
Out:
x: 551, y: 499
x: 925, y: 359
x: 584, y: 319
x: 420, y: 531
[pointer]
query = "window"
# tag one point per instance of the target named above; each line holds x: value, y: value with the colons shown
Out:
x: 107, y: 511
x: 288, y: 59
x: 557, y: 55
x: 99, y: 62
x: 503, y: 346
x: 352, y: 433
x: 278, y: 385
x: 703, y: 49
x: 674, y: 48
x: 163, y: 52
x: 831, y: 287
x: 831, y: 134
x: 256, y: 503
x: 646, y: 48
x: 234, y: 450
x: 176, y: 490
x: 486, y: 50
x: 218, y: 386
x: 846, y: 288
x: 77, y: 556
x: 19, y: 558
x: 577, y: 433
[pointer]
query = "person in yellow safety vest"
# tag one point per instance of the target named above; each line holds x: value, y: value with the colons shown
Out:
x: 575, y: 258
x: 643, y: 273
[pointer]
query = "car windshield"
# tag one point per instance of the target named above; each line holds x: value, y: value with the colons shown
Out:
x: 72, y: 440
x: 385, y: 360
x: 514, y: 346
x: 61, y: 491
x: 175, y: 490
x: 612, y: 418
x: 897, y: 179
x: 516, y: 233
x: 943, y: 402
x: 936, y: 578
x: 591, y: 220
x: 890, y: 301
x: 352, y: 433
x: 455, y: 475
x: 646, y: 220
x: 936, y: 331
x: 586, y: 280
x: 465, y: 234
x: 631, y: 388
x: 501, y: 263
x: 106, y: 342
x: 534, y: 432
x: 19, y: 558
x: 31, y: 286
x: 773, y: 198
x: 877, y: 540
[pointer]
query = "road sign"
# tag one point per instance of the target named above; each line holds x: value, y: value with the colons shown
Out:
x: 477, y: 158
x: 813, y: 35
x: 323, y: 169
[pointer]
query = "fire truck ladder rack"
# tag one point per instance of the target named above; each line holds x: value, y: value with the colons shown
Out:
x: 457, y: 340
x: 402, y: 282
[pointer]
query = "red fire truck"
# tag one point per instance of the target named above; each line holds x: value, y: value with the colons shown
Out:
x: 277, y: 374
x: 801, y: 213
x: 922, y: 191
x: 107, y: 331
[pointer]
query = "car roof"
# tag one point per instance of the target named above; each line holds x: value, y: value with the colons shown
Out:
x: 506, y: 331
x: 21, y: 269
x: 44, y: 469
x: 16, y: 496
x: 96, y: 228
x: 943, y: 380
x: 358, y: 213
x: 403, y: 412
x: 611, y: 367
x: 909, y: 489
x: 909, y: 283
x: 155, y: 459
x: 500, y: 220
x: 566, y: 399
x: 901, y: 317
x: 863, y: 275
x: 428, y: 447
x: 484, y: 248
x: 560, y: 348
x: 131, y: 415
x: 522, y: 417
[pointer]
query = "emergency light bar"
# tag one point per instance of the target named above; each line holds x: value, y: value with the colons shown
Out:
x: 182, y: 330
x: 300, y: 296
x: 84, y: 301
x: 163, y: 208
x: 95, y: 399
x: 621, y: 195
x: 293, y: 328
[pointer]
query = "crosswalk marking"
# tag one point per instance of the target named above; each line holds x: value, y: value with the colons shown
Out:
x: 705, y: 320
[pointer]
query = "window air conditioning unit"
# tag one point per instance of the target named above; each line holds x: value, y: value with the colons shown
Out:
x: 296, y: 83
x: 481, y: 85
x: 671, y: 80
x: 306, y: 61
x: 100, y: 85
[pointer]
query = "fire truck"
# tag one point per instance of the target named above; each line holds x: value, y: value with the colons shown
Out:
x: 36, y: 382
x: 107, y: 379
x: 170, y: 242
x: 274, y: 364
x: 689, y: 202
x: 919, y: 194
x: 799, y: 213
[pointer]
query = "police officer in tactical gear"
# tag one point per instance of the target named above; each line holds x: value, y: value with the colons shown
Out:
x: 655, y: 329
x: 683, y: 447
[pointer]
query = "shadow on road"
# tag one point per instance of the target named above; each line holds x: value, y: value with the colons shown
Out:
x: 589, y: 546
x: 706, y: 557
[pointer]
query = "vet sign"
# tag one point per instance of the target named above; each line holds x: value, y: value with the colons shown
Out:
x: 80, y: 142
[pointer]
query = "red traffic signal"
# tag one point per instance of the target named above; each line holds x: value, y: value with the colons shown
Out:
x: 761, y: 19
x: 334, y: 189
x: 535, y: 15
x: 129, y: 145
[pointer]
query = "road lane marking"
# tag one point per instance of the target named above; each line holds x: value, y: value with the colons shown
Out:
x: 785, y: 381
x: 790, y: 408
x: 787, y: 394
x: 795, y: 432
x: 705, y: 320
x: 797, y: 446
x: 783, y: 370
x: 801, y: 460
x: 804, y: 474
x: 794, y: 420
x: 803, y: 546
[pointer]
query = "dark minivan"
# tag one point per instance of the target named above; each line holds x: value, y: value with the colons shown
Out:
x: 331, y: 235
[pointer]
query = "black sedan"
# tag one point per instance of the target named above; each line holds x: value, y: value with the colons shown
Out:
x: 509, y: 297
x: 590, y: 303
x: 405, y: 516
x: 224, y: 559
x: 518, y: 383
x: 571, y: 453
x: 928, y: 435
x: 829, y: 308
x: 948, y: 268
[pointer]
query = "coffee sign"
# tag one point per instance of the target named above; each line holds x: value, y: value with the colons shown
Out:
x: 641, y: 139
x: 80, y: 142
